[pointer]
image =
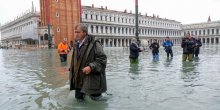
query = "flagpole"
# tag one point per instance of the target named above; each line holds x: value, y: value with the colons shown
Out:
x: 136, y: 22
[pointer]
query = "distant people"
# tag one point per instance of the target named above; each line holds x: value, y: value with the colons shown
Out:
x: 188, y: 45
x: 168, y: 47
x: 134, y: 51
x: 155, y: 49
x: 87, y: 70
x: 71, y: 45
x: 63, y: 50
x: 198, y: 44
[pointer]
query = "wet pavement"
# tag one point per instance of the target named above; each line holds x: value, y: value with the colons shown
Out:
x: 35, y: 79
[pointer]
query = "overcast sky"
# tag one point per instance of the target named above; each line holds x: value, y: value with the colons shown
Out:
x: 185, y: 11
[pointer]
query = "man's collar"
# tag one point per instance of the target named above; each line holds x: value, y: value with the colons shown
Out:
x: 81, y: 43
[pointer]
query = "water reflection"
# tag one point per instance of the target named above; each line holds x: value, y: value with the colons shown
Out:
x: 37, y: 80
x: 134, y: 68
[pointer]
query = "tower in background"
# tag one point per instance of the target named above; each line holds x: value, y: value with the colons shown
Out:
x: 62, y: 16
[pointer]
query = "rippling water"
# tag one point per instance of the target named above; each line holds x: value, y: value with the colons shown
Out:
x: 37, y: 80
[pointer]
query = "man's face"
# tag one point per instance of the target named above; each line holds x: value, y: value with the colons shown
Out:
x: 64, y: 42
x: 80, y: 35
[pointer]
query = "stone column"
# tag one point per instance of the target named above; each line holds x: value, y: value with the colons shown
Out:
x: 109, y: 30
x: 127, y: 43
x: 104, y: 29
x: 116, y: 42
x: 89, y: 29
x: 109, y: 42
x: 104, y: 44
x: 99, y: 29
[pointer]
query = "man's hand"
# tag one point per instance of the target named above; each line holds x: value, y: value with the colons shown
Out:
x: 87, y: 70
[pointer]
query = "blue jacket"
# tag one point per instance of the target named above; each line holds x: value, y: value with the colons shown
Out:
x: 168, y: 45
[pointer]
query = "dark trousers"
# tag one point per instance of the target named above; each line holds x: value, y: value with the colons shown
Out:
x: 63, y: 57
x: 80, y: 95
x: 169, y: 52
x: 155, y: 55
x: 196, y: 52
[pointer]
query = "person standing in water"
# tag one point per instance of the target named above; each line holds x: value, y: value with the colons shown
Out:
x: 155, y: 49
x: 63, y: 50
x: 87, y: 70
x: 168, y: 47
x: 134, y: 51
x: 188, y: 45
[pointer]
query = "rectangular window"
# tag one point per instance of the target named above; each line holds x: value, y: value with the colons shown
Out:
x: 96, y: 17
x: 213, y: 31
x: 86, y: 16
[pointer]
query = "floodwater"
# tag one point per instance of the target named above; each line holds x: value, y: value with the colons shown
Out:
x: 35, y: 79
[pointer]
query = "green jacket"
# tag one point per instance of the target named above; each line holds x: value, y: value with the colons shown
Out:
x: 91, y: 54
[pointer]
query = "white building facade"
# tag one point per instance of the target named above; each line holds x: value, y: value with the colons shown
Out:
x: 21, y: 31
x: 115, y: 28
x: 207, y: 31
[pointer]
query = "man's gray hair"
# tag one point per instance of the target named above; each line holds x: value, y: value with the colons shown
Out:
x: 83, y: 27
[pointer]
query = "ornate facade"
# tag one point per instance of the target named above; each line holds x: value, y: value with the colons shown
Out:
x: 115, y: 28
x: 207, y: 31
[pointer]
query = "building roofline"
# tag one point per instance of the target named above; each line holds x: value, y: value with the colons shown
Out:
x: 128, y: 13
x: 218, y: 21
x: 21, y: 18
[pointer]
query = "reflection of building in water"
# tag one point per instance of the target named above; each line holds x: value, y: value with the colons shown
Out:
x: 207, y: 31
x: 115, y: 28
x: 21, y: 31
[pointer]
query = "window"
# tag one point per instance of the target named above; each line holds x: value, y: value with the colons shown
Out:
x: 119, y: 30
x: 217, y: 31
x: 213, y: 31
x: 208, y: 32
x: 97, y: 29
x: 101, y: 18
x: 57, y: 14
x: 204, y: 32
x: 114, y: 29
x: 57, y: 0
x: 58, y: 29
x: 114, y: 19
x: 92, y: 29
x: 101, y: 29
x: 96, y: 17
x: 106, y: 29
x: 122, y: 30
x: 86, y: 16
x: 91, y: 16
x: 106, y: 17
